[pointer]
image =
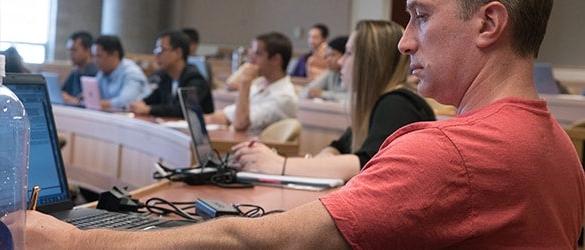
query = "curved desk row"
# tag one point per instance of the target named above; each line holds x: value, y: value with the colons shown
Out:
x: 119, y: 146
x: 125, y: 148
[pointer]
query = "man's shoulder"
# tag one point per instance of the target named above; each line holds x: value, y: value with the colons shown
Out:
x: 191, y: 72
x: 130, y: 68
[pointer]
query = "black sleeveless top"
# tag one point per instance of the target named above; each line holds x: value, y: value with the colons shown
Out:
x: 392, y: 111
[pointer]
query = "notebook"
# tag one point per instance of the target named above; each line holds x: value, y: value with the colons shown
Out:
x: 91, y: 92
x: 204, y: 151
x: 46, y: 167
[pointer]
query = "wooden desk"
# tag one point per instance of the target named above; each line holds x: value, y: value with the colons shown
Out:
x: 269, y: 198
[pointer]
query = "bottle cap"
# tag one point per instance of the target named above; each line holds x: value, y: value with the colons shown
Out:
x: 2, y: 66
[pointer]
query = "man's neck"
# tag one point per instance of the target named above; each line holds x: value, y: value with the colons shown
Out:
x: 500, y: 78
x: 175, y: 70
x: 274, y: 76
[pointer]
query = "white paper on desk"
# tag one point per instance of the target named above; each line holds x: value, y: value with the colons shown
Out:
x: 286, y: 180
x: 181, y: 124
x: 176, y: 124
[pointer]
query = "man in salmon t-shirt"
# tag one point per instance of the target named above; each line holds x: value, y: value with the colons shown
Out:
x: 503, y: 174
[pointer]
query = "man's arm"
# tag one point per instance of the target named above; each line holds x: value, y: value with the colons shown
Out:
x: 242, y: 115
x: 305, y: 227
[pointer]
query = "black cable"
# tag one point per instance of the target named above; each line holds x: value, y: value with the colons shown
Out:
x: 254, y: 211
x: 153, y: 208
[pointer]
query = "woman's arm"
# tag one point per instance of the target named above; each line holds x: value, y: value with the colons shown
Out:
x: 259, y: 158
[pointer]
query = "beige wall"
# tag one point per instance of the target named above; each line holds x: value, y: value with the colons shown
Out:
x: 74, y: 15
x: 370, y: 9
x: 235, y: 22
x: 564, y: 44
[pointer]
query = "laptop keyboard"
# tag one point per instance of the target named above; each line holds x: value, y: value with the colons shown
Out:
x: 113, y: 220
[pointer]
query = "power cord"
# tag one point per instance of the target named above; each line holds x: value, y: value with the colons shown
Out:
x: 221, y: 173
x: 153, y: 205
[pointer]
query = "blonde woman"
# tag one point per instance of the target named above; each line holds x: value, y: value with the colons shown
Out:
x: 380, y: 104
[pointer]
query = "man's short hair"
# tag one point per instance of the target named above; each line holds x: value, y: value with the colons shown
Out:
x: 177, y: 39
x: 528, y: 20
x: 277, y: 43
x: 84, y: 37
x: 110, y: 44
x: 322, y: 29
x: 192, y: 34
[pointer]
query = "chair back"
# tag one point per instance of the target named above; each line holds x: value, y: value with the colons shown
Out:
x: 286, y: 130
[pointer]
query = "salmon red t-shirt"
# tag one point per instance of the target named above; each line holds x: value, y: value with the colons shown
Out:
x: 504, y: 176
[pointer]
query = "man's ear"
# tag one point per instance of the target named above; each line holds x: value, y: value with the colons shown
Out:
x: 494, y: 22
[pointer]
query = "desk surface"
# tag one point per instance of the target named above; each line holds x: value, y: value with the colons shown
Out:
x: 269, y: 198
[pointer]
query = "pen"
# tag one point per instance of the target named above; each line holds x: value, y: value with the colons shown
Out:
x: 34, y: 198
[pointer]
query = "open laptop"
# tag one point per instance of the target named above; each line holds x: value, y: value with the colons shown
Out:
x: 544, y: 80
x: 205, y: 153
x: 91, y: 92
x: 54, y: 87
x: 46, y: 167
x: 193, y: 113
x: 200, y: 62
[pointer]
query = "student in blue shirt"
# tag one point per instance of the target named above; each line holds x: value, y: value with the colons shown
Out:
x: 121, y: 81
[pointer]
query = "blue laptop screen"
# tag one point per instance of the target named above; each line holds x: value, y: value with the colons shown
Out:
x: 44, y: 158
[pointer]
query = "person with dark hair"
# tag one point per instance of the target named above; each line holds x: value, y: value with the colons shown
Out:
x: 328, y: 85
x: 313, y: 64
x: 79, y: 46
x: 266, y: 93
x: 171, y: 51
x: 193, y: 35
x: 121, y: 81
x: 14, y: 62
x: 503, y: 174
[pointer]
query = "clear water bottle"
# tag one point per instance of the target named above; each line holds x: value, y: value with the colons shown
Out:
x: 238, y: 58
x: 14, y: 150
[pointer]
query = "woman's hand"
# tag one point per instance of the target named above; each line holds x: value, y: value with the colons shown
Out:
x: 256, y: 157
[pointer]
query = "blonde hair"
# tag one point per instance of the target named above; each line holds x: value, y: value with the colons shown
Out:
x: 378, y: 68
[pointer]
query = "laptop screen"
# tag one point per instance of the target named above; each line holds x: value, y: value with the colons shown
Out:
x: 54, y: 87
x: 200, y: 63
x: 544, y: 79
x: 45, y: 163
x: 194, y: 115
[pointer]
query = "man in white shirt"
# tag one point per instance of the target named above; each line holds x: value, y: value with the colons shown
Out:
x: 266, y: 93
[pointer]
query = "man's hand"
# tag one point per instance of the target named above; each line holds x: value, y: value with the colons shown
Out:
x: 45, y: 232
x: 69, y: 99
x: 140, y: 108
x: 248, y: 74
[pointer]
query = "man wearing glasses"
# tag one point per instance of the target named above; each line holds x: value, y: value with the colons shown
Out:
x: 172, y: 50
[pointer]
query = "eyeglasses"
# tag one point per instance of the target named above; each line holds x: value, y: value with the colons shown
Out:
x: 159, y: 50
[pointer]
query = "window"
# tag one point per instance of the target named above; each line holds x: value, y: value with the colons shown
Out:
x: 26, y: 25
